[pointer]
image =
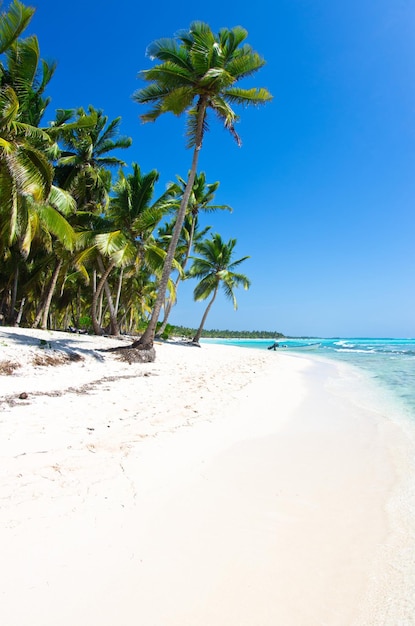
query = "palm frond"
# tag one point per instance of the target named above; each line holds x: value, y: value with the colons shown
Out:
x: 231, y: 39
x: 13, y: 23
x: 62, y: 200
x: 247, y: 97
x: 110, y: 243
x: 206, y: 286
x: 23, y: 59
x: 151, y: 93
x: 216, y: 79
x: 167, y: 49
x: 57, y: 225
x: 244, y: 65
x: 9, y: 107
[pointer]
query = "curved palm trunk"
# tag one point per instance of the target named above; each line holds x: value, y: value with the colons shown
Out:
x: 46, y: 300
x: 96, y: 326
x: 169, y: 304
x: 114, y: 329
x: 198, y: 335
x: 117, y: 299
x: 147, y: 339
x: 20, y: 313
x: 50, y: 293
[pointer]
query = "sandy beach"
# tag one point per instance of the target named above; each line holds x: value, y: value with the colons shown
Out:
x: 217, y: 486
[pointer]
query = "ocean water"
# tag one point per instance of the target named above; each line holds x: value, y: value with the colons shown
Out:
x: 388, y: 362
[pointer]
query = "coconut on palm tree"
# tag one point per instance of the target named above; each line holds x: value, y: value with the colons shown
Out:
x: 215, y: 267
x: 198, y: 72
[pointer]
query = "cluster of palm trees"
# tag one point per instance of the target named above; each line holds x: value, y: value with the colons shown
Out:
x: 83, y: 243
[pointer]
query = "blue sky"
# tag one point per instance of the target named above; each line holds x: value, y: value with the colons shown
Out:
x: 323, y: 187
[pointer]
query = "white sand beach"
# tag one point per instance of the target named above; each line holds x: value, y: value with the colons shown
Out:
x: 217, y: 486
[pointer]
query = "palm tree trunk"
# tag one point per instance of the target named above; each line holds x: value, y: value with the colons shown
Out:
x: 46, y: 298
x: 198, y: 335
x: 20, y: 313
x: 114, y: 329
x: 14, y: 296
x: 169, y: 304
x: 146, y: 341
x: 167, y: 309
x: 117, y: 300
x: 96, y: 326
x: 50, y: 293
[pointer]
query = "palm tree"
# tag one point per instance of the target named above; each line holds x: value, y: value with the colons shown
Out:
x: 200, y: 200
x: 82, y: 170
x: 82, y: 166
x: 132, y: 208
x: 215, y: 267
x: 134, y: 213
x: 198, y: 72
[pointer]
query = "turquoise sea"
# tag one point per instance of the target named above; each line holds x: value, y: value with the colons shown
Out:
x: 389, y: 362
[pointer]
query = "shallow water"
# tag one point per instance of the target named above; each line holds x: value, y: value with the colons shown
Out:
x: 389, y: 362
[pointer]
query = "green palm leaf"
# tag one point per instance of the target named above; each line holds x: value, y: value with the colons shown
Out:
x: 13, y: 23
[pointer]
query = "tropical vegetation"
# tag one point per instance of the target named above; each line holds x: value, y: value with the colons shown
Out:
x: 217, y: 333
x: 86, y: 242
x: 215, y: 268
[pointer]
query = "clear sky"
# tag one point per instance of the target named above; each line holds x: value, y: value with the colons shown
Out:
x: 323, y: 187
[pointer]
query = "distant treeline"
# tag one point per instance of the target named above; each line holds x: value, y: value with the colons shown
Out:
x: 183, y: 331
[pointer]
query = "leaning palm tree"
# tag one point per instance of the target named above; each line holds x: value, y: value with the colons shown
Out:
x: 198, y: 72
x: 215, y: 267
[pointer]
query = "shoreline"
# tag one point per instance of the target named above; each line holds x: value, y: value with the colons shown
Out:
x: 214, y: 486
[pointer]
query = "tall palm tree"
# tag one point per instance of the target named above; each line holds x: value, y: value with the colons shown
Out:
x: 198, y: 72
x: 215, y: 267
